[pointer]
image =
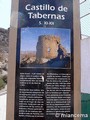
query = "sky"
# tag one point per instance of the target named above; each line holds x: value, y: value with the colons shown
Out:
x: 85, y: 21
x: 5, y: 11
x: 29, y: 37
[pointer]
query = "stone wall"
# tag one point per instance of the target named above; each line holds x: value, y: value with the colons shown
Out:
x: 47, y: 46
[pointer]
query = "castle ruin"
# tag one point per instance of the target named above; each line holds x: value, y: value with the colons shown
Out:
x: 47, y: 47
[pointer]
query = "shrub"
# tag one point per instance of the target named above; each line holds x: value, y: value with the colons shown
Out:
x: 5, y: 79
x: 2, y: 84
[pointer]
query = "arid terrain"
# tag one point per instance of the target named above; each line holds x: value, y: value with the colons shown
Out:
x: 4, y: 43
x: 27, y: 57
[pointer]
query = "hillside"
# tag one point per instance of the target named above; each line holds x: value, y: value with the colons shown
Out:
x: 4, y: 43
x: 4, y: 40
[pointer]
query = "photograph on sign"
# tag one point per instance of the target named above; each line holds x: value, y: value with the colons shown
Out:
x: 45, y: 47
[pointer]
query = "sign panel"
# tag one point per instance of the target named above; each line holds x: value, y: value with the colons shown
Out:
x: 43, y: 66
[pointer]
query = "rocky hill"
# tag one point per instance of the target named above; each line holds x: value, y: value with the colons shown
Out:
x: 4, y: 43
x: 4, y: 40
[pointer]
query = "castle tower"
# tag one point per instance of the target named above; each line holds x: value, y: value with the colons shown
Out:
x: 47, y: 47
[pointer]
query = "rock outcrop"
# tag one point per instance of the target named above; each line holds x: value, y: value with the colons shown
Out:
x: 4, y: 40
x: 4, y: 45
x: 47, y: 47
x: 62, y: 52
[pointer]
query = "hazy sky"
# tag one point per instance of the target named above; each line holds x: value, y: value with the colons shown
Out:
x: 85, y: 21
x: 29, y: 37
x: 5, y: 11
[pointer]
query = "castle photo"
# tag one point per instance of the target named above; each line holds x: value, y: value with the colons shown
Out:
x: 47, y: 47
